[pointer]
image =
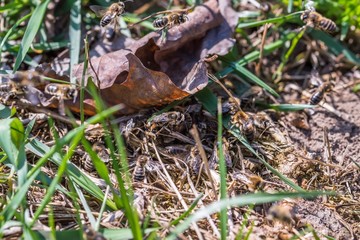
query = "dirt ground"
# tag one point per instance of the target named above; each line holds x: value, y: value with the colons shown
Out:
x: 334, y: 216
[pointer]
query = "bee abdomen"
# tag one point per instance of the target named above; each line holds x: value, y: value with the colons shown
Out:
x: 160, y: 22
x: 316, y: 98
x: 328, y: 25
x: 105, y: 21
x: 139, y: 174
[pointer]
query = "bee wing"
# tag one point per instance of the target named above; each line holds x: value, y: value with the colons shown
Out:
x: 98, y: 10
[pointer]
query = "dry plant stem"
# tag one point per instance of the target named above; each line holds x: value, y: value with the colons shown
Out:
x: 327, y: 151
x: 195, y: 133
x: 48, y: 113
x: 352, y: 83
x: 201, y: 203
x: 258, y: 65
x: 91, y: 66
x: 173, y: 186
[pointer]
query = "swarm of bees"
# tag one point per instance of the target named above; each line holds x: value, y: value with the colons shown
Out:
x: 313, y: 19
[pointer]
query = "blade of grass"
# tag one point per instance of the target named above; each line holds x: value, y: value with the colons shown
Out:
x: 254, y: 55
x: 290, y: 6
x: 122, y: 174
x: 10, y: 31
x: 243, y: 200
x: 335, y: 46
x: 223, y: 173
x: 253, y: 78
x: 31, y: 30
x: 287, y: 107
x: 75, y: 35
x: 187, y: 212
x: 291, y: 16
x: 277, y: 75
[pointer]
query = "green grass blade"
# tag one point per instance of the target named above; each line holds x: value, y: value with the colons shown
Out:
x: 243, y: 200
x: 33, y: 27
x: 75, y: 35
x: 335, y: 46
x: 5, y: 111
x: 271, y: 20
x: 253, y: 78
x: 187, y: 212
x: 290, y: 6
x: 288, y: 107
x: 223, y: 173
x: 10, y: 31
x: 122, y: 174
x: 12, y: 141
x: 207, y: 99
x: 254, y: 55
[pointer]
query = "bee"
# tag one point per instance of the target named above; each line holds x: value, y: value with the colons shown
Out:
x: 253, y: 182
x: 90, y: 234
x: 61, y: 92
x: 109, y: 14
x: 10, y: 88
x: 170, y: 20
x: 315, y: 20
x: 139, y: 170
x: 320, y: 93
x: 282, y: 212
x: 23, y: 83
x: 101, y: 151
x: 241, y: 120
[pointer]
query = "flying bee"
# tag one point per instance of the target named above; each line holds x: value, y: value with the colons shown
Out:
x: 109, y: 14
x: 90, y: 234
x: 170, y: 20
x: 61, y: 92
x: 315, y: 20
x: 320, y: 93
x: 139, y: 170
x: 23, y: 83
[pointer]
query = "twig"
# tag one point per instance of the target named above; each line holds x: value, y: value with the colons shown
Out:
x: 327, y: 152
x: 259, y: 64
x: 195, y: 133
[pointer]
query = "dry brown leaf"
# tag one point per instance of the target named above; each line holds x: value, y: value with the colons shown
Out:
x: 152, y: 71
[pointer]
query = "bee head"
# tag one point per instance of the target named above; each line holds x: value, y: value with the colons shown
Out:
x: 305, y: 16
x: 183, y: 17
